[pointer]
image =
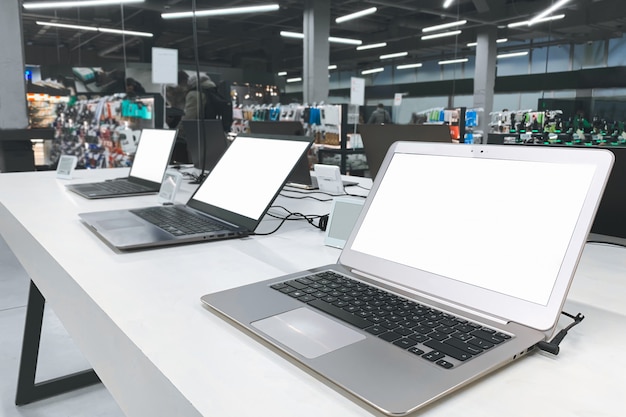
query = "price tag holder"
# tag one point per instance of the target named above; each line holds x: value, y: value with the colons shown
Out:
x: 66, y: 165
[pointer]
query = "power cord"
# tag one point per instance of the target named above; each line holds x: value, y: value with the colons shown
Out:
x: 553, y: 345
x: 322, y: 220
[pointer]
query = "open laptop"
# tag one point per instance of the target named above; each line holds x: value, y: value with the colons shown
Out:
x: 149, y: 164
x: 213, y: 145
x: 455, y: 265
x: 378, y: 138
x: 223, y: 207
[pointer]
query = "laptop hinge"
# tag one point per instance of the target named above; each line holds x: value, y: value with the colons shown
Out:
x: 374, y: 279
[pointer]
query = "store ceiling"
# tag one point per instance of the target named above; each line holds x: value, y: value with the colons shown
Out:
x: 253, y: 40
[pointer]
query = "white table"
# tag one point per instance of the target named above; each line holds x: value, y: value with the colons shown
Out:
x: 138, y: 319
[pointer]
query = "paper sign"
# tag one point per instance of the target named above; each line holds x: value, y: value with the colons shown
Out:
x: 397, y: 99
x: 164, y: 66
x: 357, y: 91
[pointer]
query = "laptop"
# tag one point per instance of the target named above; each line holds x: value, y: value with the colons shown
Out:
x: 434, y: 288
x: 223, y: 207
x: 378, y: 138
x: 149, y: 164
x: 213, y: 145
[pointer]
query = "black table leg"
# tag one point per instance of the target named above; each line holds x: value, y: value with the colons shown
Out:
x: 27, y: 389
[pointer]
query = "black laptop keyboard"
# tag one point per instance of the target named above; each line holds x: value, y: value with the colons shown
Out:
x: 121, y: 187
x: 431, y: 334
x: 177, y: 221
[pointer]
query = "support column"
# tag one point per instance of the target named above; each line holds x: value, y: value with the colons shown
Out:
x: 316, y: 23
x: 13, y: 114
x: 485, y: 77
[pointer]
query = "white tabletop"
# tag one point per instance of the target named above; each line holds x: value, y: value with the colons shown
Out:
x: 138, y: 319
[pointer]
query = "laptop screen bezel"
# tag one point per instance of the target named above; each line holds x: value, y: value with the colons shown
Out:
x: 486, y: 302
x: 245, y: 222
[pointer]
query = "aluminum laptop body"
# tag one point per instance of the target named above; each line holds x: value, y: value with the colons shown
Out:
x: 213, y: 145
x: 377, y: 138
x: 149, y: 164
x: 225, y: 196
x: 472, y: 241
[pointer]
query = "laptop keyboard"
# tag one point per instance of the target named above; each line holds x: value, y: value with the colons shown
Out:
x: 431, y: 334
x: 120, y: 187
x: 177, y: 221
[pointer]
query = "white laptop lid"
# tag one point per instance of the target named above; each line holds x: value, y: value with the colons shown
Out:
x: 153, y: 154
x: 248, y: 177
x: 494, y: 229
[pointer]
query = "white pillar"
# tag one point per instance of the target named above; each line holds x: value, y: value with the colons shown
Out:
x: 316, y: 54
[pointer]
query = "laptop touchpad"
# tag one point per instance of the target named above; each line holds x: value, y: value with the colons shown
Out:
x: 307, y: 332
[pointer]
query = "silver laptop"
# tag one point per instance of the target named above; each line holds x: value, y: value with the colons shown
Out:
x: 459, y: 263
x: 149, y: 164
x: 223, y: 207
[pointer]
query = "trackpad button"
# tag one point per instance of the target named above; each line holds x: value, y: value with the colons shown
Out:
x: 307, y: 332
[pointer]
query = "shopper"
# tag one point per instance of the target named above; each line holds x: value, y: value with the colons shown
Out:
x: 380, y: 115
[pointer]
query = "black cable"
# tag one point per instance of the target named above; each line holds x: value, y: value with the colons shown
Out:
x: 599, y: 242
x: 322, y: 220
x: 553, y: 345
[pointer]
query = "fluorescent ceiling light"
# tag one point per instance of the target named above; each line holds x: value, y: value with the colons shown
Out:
x: 396, y: 55
x: 447, y: 3
x: 444, y: 26
x: 371, y: 46
x: 453, y: 61
x: 344, y: 40
x: 282, y: 73
x: 372, y: 71
x: 548, y: 11
x: 407, y: 66
x: 96, y: 29
x: 527, y: 22
x: 503, y: 40
x: 223, y: 12
x: 356, y: 15
x: 332, y: 67
x: 65, y: 26
x: 125, y: 32
x: 512, y: 54
x: 441, y: 35
x: 294, y: 80
x: 82, y: 3
x: 297, y: 35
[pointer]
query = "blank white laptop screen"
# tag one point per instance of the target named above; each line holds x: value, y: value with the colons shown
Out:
x: 246, y: 178
x: 504, y: 233
x: 153, y: 154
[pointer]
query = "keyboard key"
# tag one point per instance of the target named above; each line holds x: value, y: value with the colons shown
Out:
x: 405, y: 343
x: 390, y: 336
x: 433, y: 356
x: 340, y: 314
x: 448, y: 350
x: 444, y: 363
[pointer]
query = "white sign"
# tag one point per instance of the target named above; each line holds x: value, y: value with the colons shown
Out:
x: 357, y: 91
x: 397, y: 99
x: 164, y: 66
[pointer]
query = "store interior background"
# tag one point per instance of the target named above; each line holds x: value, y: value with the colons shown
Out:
x: 580, y: 57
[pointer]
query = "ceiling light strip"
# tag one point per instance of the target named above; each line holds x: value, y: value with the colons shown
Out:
x: 346, y: 41
x: 372, y: 71
x: 444, y: 26
x: 408, y: 66
x: 512, y: 54
x: 371, y: 46
x: 547, y: 12
x: 527, y: 22
x: 447, y: 3
x: 294, y: 80
x: 453, y: 61
x: 441, y: 35
x: 95, y: 29
x: 223, y: 12
x: 356, y: 15
x: 69, y: 4
x: 395, y: 55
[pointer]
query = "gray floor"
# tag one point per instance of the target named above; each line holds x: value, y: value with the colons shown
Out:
x: 58, y: 355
